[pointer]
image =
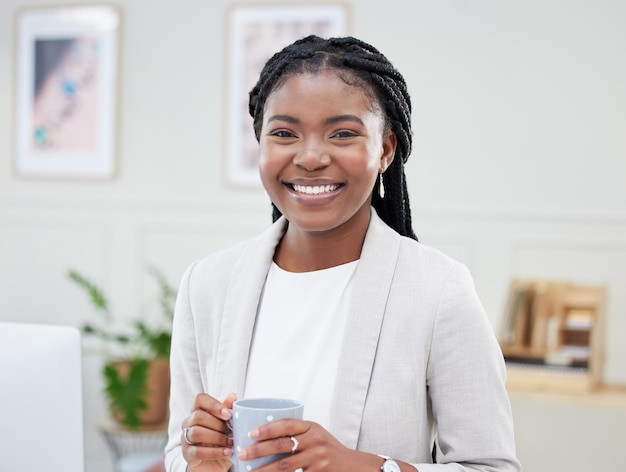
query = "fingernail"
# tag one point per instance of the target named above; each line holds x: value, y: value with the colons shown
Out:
x: 226, y: 413
x: 228, y: 452
x: 254, y: 434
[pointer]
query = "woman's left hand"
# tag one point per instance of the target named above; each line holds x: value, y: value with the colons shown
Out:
x: 312, y: 449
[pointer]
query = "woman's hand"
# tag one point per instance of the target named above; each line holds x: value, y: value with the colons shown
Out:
x: 312, y: 449
x: 206, y: 439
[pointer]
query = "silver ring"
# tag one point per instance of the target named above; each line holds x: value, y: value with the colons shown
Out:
x: 295, y: 444
x: 185, y: 432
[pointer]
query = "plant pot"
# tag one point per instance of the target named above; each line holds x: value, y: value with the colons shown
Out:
x: 157, y: 391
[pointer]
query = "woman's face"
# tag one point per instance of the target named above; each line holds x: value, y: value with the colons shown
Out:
x: 322, y: 147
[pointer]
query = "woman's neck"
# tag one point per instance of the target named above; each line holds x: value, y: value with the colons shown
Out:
x: 305, y: 251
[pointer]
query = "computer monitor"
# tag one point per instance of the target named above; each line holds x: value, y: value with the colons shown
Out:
x: 41, y: 409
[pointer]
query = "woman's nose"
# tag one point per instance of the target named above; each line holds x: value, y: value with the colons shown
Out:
x: 312, y: 155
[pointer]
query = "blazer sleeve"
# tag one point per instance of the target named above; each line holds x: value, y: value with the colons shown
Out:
x: 466, y: 378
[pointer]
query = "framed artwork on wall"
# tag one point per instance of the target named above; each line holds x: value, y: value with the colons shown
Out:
x: 66, y: 91
x: 255, y: 32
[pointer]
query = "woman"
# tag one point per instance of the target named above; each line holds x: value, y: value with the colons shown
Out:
x: 337, y: 304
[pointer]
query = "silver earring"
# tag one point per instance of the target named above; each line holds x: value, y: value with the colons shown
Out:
x: 381, y: 186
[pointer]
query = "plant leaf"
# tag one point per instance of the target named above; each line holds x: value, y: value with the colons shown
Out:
x: 96, y: 295
x: 127, y: 395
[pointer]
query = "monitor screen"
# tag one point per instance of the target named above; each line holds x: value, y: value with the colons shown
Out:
x: 41, y: 410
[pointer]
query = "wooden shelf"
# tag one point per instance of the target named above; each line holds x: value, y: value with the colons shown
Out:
x: 526, y: 378
x: 553, y: 336
x: 604, y: 396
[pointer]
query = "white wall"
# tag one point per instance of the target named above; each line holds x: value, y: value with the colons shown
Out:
x: 518, y: 167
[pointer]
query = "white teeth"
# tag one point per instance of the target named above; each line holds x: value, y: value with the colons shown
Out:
x: 315, y: 189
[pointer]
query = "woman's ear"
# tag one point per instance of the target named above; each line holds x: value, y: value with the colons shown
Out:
x: 390, y: 143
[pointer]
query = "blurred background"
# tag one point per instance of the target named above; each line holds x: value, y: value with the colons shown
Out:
x: 518, y: 170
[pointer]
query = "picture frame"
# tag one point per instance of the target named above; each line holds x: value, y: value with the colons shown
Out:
x: 255, y: 32
x: 66, y: 91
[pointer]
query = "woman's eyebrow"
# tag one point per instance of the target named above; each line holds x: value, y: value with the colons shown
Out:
x: 328, y: 121
x: 287, y: 118
x: 340, y: 118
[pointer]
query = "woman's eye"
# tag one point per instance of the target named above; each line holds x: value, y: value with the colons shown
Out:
x: 344, y: 134
x: 281, y: 133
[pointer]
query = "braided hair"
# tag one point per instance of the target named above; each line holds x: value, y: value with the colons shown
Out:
x: 358, y: 63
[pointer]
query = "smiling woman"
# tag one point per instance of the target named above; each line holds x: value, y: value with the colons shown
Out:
x: 337, y: 305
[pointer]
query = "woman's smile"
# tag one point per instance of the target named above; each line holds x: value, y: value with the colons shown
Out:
x: 315, y: 189
x: 314, y: 193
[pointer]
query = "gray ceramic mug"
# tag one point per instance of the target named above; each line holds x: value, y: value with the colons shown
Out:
x: 251, y: 413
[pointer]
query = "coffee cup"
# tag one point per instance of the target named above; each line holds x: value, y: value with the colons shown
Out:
x: 249, y: 414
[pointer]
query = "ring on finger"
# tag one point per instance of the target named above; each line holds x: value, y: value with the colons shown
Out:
x: 295, y: 444
x: 185, y: 433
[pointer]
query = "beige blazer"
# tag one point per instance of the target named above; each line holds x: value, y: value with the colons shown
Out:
x: 419, y: 361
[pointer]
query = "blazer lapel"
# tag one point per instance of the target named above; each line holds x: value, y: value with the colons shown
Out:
x: 369, y: 298
x: 240, y: 309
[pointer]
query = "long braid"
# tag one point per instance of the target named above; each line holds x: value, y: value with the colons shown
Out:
x: 371, y: 70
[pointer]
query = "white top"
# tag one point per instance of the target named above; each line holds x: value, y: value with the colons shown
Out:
x: 298, y: 335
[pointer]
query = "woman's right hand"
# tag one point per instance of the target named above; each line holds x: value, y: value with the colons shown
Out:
x: 206, y: 439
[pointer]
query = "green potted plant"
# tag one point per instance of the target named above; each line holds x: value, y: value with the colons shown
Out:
x: 136, y: 358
